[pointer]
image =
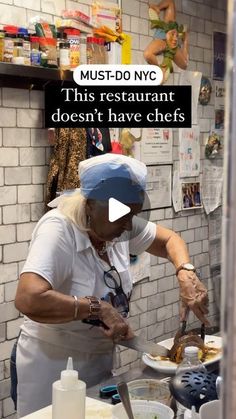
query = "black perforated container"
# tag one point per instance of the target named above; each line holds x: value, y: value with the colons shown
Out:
x: 193, y: 388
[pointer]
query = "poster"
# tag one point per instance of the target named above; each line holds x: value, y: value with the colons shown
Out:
x: 158, y: 187
x: 156, y: 146
x: 191, y: 195
x: 219, y: 105
x: 215, y: 224
x: 212, y: 184
x: 176, y: 191
x: 219, y: 55
x: 189, y: 152
x: 219, y: 95
x: 192, y: 78
x: 140, y: 267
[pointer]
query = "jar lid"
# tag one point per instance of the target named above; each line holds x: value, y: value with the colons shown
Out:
x: 10, y: 35
x: 71, y: 31
x: 10, y: 29
x: 64, y: 45
x: 23, y: 31
x: 34, y: 38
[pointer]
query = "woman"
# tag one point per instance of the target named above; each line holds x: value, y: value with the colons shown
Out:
x: 78, y: 269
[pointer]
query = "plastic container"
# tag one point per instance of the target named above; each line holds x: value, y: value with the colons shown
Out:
x: 35, y: 54
x: 68, y: 395
x: 73, y: 37
x: 2, y: 36
x: 210, y: 410
x: 154, y: 390
x: 189, y: 363
x: 143, y: 409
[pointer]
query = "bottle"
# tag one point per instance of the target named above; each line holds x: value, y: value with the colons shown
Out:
x: 190, y: 362
x: 68, y: 395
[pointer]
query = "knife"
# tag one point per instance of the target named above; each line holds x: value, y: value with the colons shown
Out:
x: 140, y: 344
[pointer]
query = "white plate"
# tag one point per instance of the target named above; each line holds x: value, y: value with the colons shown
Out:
x: 169, y: 367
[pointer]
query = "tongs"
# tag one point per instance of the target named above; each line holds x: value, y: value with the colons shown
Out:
x: 182, y: 330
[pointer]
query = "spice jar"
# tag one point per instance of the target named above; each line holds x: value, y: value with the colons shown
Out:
x: 64, y: 56
x: 35, y: 53
x: 2, y: 36
x: 73, y: 37
x: 10, y: 37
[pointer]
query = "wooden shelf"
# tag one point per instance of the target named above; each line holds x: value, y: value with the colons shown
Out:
x: 29, y: 77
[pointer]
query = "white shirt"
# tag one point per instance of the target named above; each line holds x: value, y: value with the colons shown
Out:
x: 64, y: 256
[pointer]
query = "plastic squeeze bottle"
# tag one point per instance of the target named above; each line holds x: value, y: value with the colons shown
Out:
x: 68, y: 395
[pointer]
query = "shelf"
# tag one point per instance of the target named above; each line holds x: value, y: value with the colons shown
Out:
x: 29, y: 77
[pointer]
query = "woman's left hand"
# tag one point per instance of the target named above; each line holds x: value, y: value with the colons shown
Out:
x: 194, y: 296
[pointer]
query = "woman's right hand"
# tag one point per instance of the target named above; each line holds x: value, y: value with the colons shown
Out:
x: 117, y: 327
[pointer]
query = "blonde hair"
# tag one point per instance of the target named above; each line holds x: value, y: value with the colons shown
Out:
x: 73, y: 207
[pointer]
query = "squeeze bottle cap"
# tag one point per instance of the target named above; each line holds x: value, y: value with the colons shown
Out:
x: 69, y: 377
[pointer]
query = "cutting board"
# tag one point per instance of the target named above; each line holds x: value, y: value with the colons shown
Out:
x: 95, y: 409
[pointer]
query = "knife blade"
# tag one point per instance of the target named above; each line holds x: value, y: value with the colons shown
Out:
x: 140, y: 344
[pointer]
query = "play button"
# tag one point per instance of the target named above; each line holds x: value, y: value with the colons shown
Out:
x: 116, y: 210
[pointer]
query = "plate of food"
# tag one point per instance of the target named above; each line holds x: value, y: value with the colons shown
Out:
x: 209, y: 352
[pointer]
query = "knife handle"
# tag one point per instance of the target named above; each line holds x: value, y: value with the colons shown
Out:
x: 97, y: 323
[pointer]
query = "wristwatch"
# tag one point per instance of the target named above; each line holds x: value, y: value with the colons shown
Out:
x: 186, y: 267
x: 94, y: 308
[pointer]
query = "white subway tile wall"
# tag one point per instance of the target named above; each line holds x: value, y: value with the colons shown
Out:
x: 24, y: 155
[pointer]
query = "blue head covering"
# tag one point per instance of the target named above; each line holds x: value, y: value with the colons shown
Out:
x: 113, y: 176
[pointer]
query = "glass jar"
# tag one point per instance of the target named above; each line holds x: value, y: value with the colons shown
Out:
x: 2, y: 36
x: 90, y: 50
x: 8, y: 47
x: 83, y: 50
x: 64, y: 56
x: 35, y: 55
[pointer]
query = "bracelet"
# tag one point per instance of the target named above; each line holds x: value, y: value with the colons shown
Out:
x: 76, y: 301
x: 94, y: 308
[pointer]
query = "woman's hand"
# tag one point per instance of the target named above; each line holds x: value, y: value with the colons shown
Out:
x: 193, y: 296
x: 117, y: 327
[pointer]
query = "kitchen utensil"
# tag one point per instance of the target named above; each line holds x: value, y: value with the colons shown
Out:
x: 106, y: 392
x: 138, y: 343
x: 124, y: 395
x: 149, y: 389
x: 168, y: 367
x: 144, y: 409
x: 194, y: 388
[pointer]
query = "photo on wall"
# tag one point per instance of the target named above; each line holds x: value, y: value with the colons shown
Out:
x: 191, y: 195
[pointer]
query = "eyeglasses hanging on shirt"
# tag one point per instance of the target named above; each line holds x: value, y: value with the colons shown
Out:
x: 117, y: 298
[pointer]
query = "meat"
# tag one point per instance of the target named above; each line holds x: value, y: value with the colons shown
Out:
x: 190, y: 338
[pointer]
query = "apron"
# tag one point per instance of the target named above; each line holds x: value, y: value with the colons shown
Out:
x: 40, y: 362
